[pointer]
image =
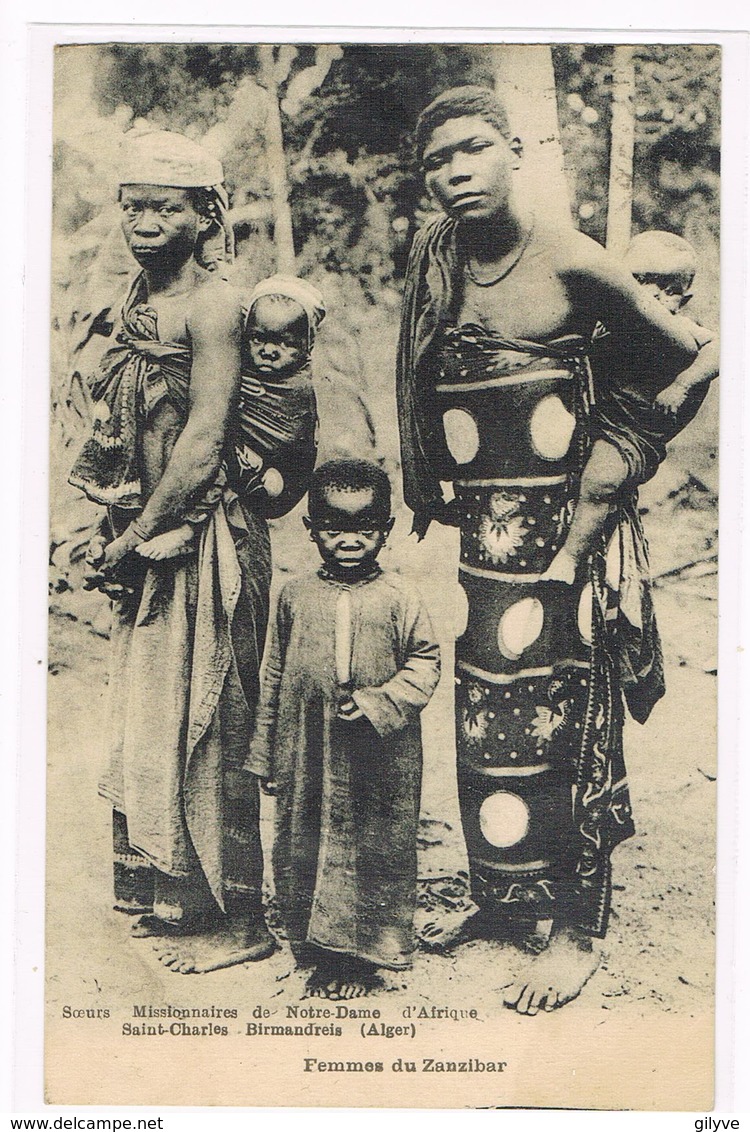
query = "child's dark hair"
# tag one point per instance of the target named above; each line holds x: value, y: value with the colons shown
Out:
x: 350, y: 475
x: 460, y: 102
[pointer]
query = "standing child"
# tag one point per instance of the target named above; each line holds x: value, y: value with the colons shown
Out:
x: 639, y: 414
x: 353, y: 663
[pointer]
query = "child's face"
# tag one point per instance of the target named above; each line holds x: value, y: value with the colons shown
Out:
x: 277, y: 336
x: 346, y: 533
x: 671, y: 295
x: 160, y: 224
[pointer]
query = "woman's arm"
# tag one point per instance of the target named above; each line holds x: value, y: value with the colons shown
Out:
x: 214, y: 328
x: 600, y: 289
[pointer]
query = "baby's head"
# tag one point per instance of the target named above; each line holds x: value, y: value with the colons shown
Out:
x: 349, y: 517
x: 665, y: 264
x: 277, y: 335
x: 283, y: 316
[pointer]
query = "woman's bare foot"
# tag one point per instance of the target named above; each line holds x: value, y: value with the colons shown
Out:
x: 235, y: 938
x: 150, y: 925
x: 438, y: 931
x: 556, y: 976
x: 536, y: 939
x: 171, y: 544
x: 561, y: 569
x: 351, y: 978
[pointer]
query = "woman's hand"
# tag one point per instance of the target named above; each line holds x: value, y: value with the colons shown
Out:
x: 95, y: 551
x: 349, y: 711
x: 118, y: 549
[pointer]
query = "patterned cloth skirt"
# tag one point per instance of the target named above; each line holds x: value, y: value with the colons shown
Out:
x: 538, y: 710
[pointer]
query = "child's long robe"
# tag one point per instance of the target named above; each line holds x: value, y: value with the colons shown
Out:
x: 348, y: 792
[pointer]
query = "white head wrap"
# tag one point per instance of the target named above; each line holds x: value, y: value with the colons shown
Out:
x: 660, y: 253
x: 306, y: 294
x: 160, y: 157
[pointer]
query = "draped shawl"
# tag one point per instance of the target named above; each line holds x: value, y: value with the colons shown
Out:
x: 133, y: 377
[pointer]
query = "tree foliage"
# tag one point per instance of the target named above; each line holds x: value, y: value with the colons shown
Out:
x: 677, y: 133
x: 354, y: 191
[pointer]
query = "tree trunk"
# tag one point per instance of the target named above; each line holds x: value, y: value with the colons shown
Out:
x: 620, y: 203
x: 525, y: 81
x: 276, y: 164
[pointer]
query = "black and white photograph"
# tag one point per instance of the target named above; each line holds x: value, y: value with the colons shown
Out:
x: 383, y: 574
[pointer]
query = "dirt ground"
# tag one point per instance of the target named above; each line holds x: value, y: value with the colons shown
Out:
x: 659, y: 952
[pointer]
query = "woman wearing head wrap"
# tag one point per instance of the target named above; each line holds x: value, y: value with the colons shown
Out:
x: 187, y: 634
x: 160, y: 157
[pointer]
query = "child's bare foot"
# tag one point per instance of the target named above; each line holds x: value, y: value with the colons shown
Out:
x: 171, y: 544
x: 352, y: 978
x: 671, y: 399
x: 561, y: 569
x: 318, y: 978
x: 235, y: 938
x: 556, y: 976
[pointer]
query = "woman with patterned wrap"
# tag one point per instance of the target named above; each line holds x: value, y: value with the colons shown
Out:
x: 495, y: 398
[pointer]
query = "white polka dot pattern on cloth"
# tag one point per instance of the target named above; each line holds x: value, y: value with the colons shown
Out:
x: 503, y: 819
x: 551, y: 428
x: 585, y: 613
x: 461, y: 435
x: 461, y: 614
x: 520, y: 626
x: 524, y: 688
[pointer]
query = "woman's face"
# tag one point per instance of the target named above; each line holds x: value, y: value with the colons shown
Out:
x: 468, y: 166
x: 160, y: 224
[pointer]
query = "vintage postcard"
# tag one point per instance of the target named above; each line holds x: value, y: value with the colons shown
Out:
x: 383, y: 574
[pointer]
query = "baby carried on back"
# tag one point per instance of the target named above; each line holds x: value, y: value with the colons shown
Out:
x: 272, y: 437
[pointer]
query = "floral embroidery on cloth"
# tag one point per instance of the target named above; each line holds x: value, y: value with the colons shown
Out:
x: 503, y: 531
